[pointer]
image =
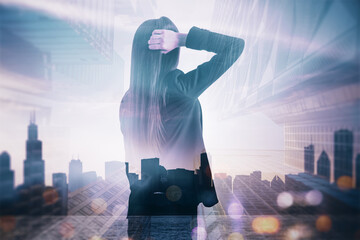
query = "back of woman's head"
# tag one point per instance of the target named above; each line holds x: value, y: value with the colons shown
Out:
x: 143, y: 124
x: 148, y: 67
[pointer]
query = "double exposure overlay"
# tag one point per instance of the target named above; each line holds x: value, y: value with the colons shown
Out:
x: 280, y: 126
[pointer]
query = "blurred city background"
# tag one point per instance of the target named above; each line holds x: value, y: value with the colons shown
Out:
x: 281, y: 127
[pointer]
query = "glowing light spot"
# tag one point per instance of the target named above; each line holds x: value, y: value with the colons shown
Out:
x: 66, y: 230
x: 50, y: 196
x: 285, y: 200
x: 98, y: 205
x: 298, y: 232
x: 235, y: 210
x: 344, y: 182
x: 313, y: 198
x: 267, y: 225
x: 173, y: 193
x: 198, y: 233
x: 7, y: 223
x: 96, y: 238
x: 235, y: 236
x: 323, y: 223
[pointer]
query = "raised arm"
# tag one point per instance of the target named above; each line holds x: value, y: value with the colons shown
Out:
x: 227, y: 49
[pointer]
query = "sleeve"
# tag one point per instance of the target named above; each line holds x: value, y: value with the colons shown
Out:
x: 227, y: 49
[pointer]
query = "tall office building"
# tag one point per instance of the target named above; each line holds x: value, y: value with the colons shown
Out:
x: 114, y: 169
x: 277, y: 184
x: 323, y: 166
x: 343, y: 153
x: 34, y: 167
x: 150, y: 172
x: 61, y: 187
x: 309, y: 158
x: 88, y: 178
x: 205, y: 171
x: 6, y: 178
x: 75, y: 175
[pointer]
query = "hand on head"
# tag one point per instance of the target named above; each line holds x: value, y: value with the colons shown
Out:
x: 164, y: 40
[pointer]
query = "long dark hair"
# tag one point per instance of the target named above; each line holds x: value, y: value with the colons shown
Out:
x: 147, y: 85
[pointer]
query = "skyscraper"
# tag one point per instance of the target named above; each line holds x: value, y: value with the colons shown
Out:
x: 343, y: 153
x: 309, y: 157
x: 34, y: 167
x: 60, y: 185
x: 323, y: 166
x: 88, y: 177
x: 6, y: 178
x: 75, y: 175
x: 150, y: 172
x: 277, y: 184
x: 114, y: 169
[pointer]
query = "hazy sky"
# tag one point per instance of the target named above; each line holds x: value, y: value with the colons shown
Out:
x: 88, y: 127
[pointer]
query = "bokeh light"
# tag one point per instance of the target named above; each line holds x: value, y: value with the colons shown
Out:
x: 235, y: 210
x: 313, y: 198
x: 266, y: 225
x: 298, y: 232
x: 173, y: 193
x: 344, y: 182
x: 66, y: 230
x: 235, y: 236
x: 285, y: 200
x: 323, y: 223
x: 96, y: 238
x: 98, y: 205
x: 7, y: 223
x: 50, y: 195
x: 198, y: 233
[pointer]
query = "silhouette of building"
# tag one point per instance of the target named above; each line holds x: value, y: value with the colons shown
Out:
x: 343, y: 153
x: 6, y: 180
x: 88, y: 178
x: 204, y: 171
x: 132, y: 177
x: 309, y: 159
x: 114, y: 169
x: 357, y: 169
x: 34, y: 167
x: 75, y: 175
x: 150, y: 173
x: 255, y: 196
x: 173, y: 191
x: 61, y: 187
x: 277, y: 184
x: 323, y: 166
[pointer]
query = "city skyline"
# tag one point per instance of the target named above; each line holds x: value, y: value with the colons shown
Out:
x: 309, y: 156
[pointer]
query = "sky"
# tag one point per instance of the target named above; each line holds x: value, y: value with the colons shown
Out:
x: 88, y: 128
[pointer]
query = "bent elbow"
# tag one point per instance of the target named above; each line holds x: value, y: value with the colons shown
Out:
x: 239, y: 47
